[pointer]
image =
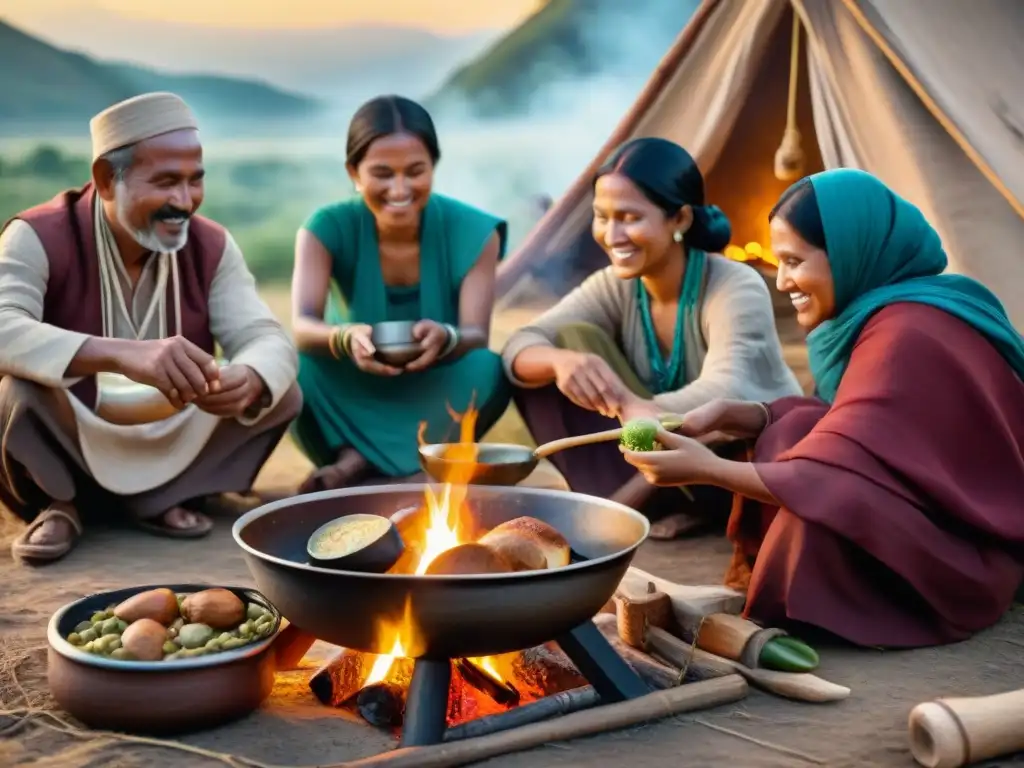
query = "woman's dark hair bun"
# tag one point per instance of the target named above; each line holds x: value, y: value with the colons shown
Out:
x: 668, y: 177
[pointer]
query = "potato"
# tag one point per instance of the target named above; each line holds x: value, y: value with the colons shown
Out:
x: 468, y: 558
x: 144, y: 639
x: 217, y: 608
x: 159, y: 605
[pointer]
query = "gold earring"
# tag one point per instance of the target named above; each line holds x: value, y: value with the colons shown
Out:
x: 678, y: 236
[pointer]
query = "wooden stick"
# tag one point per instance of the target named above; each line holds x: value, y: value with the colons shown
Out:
x: 801, y: 686
x: 608, y: 717
x: 949, y: 733
x: 668, y: 421
x: 550, y: 706
x: 656, y: 675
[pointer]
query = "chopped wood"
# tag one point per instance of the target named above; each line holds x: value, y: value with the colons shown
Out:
x: 340, y: 678
x: 636, y: 612
x: 690, y: 604
x: 542, y: 671
x: 382, y: 704
x: 657, y: 676
x: 502, y: 691
x: 550, y: 706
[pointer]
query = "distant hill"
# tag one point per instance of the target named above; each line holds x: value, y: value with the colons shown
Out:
x: 341, y: 63
x: 41, y: 83
x: 564, y: 43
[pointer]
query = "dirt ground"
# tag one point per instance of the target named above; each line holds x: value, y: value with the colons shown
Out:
x: 292, y: 729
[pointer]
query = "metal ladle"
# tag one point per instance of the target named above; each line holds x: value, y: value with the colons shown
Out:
x: 507, y: 463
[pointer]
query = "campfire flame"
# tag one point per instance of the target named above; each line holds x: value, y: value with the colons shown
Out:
x: 448, y: 525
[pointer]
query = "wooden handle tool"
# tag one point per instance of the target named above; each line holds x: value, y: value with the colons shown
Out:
x: 801, y: 686
x: 950, y: 733
x: 669, y: 422
x: 600, y: 719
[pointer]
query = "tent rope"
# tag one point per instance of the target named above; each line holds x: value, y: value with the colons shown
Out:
x: 789, y: 157
x: 794, y: 73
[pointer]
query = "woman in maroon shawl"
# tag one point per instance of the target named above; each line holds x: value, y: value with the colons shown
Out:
x: 888, y: 511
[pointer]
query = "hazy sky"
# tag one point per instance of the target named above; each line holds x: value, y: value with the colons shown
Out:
x: 438, y: 15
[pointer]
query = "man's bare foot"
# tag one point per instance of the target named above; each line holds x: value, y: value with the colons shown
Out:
x: 182, y: 519
x: 349, y: 468
x: 178, y: 523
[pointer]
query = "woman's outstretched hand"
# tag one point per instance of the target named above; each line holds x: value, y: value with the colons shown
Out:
x: 722, y: 420
x: 682, y: 461
x: 588, y: 381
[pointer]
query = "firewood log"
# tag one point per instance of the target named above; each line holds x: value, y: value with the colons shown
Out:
x: 340, y: 678
x: 658, y: 676
x: 542, y: 671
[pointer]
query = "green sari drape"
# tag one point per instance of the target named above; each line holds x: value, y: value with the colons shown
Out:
x: 376, y: 415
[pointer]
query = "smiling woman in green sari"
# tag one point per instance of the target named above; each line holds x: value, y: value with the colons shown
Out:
x: 398, y: 251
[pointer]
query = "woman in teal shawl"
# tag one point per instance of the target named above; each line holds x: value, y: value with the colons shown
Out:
x: 887, y: 510
x: 397, y: 252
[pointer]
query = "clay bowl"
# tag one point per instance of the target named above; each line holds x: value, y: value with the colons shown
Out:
x: 394, y: 342
x: 159, y: 697
x: 381, y: 547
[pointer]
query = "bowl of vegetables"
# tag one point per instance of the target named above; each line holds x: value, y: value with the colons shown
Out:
x: 164, y: 658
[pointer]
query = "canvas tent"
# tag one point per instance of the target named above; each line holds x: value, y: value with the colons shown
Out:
x: 926, y: 95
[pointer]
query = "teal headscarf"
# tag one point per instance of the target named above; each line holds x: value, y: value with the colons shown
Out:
x: 883, y: 251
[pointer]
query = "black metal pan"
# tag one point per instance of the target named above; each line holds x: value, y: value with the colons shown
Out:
x: 454, y: 615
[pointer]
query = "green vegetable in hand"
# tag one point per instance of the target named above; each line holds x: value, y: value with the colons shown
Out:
x: 639, y: 434
x: 787, y: 654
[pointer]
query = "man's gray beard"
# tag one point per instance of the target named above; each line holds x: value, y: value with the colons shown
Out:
x: 147, y: 238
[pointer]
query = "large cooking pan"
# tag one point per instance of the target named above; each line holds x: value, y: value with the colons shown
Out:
x: 455, y: 616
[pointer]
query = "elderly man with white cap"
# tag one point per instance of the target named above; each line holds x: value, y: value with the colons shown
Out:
x: 114, y: 299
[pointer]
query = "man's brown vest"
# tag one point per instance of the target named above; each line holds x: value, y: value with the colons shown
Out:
x: 72, y: 300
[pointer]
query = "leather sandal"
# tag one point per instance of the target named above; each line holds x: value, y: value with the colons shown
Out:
x: 23, y: 549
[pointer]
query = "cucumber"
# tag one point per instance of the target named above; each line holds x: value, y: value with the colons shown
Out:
x: 791, y: 656
x: 801, y: 647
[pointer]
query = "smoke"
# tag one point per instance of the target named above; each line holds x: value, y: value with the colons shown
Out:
x: 504, y: 165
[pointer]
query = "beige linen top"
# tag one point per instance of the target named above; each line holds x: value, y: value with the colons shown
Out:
x: 732, y: 347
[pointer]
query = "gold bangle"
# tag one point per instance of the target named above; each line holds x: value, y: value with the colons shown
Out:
x: 345, y: 336
x: 335, y: 342
x: 331, y: 346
